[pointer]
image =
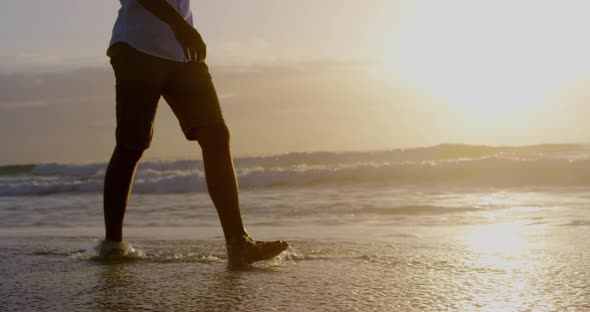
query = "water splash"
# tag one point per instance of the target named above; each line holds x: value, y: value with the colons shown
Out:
x: 107, y: 251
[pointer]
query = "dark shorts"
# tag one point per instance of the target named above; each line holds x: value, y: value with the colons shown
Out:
x: 142, y: 79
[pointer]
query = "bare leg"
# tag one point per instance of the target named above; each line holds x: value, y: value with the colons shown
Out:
x: 223, y: 189
x: 221, y: 179
x: 117, y: 187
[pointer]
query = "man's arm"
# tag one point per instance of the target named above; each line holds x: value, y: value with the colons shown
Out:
x: 188, y: 37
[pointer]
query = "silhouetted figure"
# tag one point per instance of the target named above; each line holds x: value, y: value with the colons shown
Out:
x: 155, y: 51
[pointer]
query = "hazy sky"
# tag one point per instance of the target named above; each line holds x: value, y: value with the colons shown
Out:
x: 311, y: 75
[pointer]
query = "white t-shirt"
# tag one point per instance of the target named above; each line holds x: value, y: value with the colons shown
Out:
x: 145, y: 32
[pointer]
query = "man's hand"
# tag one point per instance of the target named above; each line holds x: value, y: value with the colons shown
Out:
x: 191, y: 41
x: 189, y: 38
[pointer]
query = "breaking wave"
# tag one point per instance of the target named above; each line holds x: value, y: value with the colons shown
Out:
x: 444, y: 165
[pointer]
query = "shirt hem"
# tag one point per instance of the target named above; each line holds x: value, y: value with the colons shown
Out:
x: 151, y: 53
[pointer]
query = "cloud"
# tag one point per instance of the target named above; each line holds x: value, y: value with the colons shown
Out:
x: 270, y: 108
x: 36, y: 89
x: 247, y: 51
x: 21, y: 105
x: 35, y: 61
x: 29, y: 91
x: 39, y: 58
x: 22, y: 89
x: 225, y: 96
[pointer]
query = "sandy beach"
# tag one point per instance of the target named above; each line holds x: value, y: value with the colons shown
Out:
x: 357, y: 243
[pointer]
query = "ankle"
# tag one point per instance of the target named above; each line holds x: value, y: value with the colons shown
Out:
x: 236, y: 238
x: 114, y: 239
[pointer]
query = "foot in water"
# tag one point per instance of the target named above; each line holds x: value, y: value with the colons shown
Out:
x: 109, y: 250
x: 245, y: 251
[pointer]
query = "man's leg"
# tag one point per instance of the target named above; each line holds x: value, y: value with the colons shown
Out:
x: 221, y: 178
x: 117, y: 187
x: 139, y: 84
x: 194, y: 101
x: 223, y: 189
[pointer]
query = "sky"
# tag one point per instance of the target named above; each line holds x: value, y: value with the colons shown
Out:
x: 300, y: 76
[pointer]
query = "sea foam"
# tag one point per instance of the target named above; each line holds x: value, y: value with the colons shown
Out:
x: 445, y: 165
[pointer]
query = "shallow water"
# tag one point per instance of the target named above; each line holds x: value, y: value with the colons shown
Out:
x: 510, y: 263
x: 420, y: 230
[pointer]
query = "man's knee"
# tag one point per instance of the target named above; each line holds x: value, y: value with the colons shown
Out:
x: 128, y: 154
x: 214, y: 136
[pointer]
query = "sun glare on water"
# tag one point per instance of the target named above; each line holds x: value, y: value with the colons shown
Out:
x: 506, y: 266
x: 499, y: 241
x: 504, y: 255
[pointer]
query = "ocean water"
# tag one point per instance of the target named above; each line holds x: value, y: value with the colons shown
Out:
x: 443, y: 228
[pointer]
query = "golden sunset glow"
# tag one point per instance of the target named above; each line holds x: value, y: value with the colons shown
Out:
x: 495, y: 59
x: 309, y: 155
x: 405, y: 73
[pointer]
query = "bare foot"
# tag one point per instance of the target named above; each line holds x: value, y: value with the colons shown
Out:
x: 245, y: 251
x: 113, y: 250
